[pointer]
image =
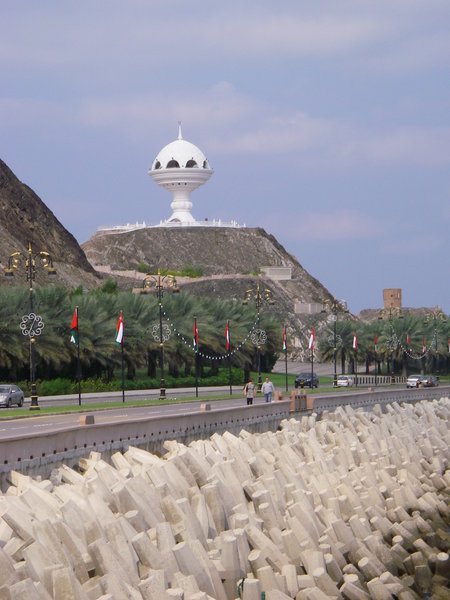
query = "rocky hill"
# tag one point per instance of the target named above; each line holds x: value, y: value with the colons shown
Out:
x: 25, y: 218
x: 233, y: 260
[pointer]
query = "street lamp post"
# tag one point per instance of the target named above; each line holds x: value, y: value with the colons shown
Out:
x: 31, y: 324
x: 259, y: 336
x: 335, y: 306
x: 160, y: 283
x: 435, y: 316
x: 389, y: 313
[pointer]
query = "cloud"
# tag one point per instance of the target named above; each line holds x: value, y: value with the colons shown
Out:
x: 229, y: 122
x: 414, y: 146
x: 420, y: 245
x: 158, y: 37
x: 333, y: 226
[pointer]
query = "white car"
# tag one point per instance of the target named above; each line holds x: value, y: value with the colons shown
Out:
x: 415, y: 381
x: 345, y: 381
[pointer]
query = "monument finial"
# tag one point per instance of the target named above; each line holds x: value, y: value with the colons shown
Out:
x: 180, y: 137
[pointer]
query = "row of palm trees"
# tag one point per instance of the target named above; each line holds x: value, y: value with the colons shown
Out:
x: 402, y: 344
x: 98, y: 313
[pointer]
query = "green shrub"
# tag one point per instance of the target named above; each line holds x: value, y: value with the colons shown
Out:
x: 62, y: 386
x: 192, y: 271
x: 56, y: 387
x: 143, y: 267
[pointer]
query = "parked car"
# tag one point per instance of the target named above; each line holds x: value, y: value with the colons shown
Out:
x: 345, y: 381
x: 415, y: 381
x: 11, y: 394
x: 430, y: 381
x: 304, y: 380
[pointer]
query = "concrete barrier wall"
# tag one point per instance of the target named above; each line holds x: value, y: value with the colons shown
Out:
x: 367, y: 398
x: 40, y: 453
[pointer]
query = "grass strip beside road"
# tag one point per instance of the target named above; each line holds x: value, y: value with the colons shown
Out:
x: 11, y: 413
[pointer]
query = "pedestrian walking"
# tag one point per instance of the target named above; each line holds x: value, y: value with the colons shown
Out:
x: 267, y: 389
x: 249, y: 390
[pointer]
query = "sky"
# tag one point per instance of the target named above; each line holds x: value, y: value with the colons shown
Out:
x: 327, y: 123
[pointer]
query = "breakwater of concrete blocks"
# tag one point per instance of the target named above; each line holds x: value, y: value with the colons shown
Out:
x: 354, y: 506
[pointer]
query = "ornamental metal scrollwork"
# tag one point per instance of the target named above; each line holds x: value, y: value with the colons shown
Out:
x: 330, y: 340
x: 32, y: 325
x: 166, y: 332
x: 258, y: 337
x: 392, y: 342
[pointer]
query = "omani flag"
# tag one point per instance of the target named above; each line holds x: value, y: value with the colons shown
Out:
x: 74, y: 327
x: 119, y: 330
x: 312, y: 337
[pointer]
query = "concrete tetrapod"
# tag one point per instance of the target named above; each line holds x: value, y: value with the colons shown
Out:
x: 352, y: 505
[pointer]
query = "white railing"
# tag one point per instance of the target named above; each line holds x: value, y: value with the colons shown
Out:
x: 143, y: 225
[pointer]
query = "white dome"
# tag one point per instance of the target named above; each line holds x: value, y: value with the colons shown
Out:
x: 180, y: 168
x: 180, y: 154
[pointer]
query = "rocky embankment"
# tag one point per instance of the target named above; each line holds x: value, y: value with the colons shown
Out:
x: 353, y: 506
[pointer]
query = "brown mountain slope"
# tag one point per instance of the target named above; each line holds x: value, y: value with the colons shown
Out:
x: 25, y: 218
x: 233, y: 260
x: 217, y: 250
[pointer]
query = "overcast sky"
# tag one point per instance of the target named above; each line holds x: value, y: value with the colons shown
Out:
x: 326, y: 123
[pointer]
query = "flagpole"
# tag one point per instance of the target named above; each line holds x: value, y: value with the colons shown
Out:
x: 356, y: 366
x: 196, y: 357
x: 78, y: 360
x: 229, y: 360
x: 196, y: 373
x: 285, y: 356
x: 376, y: 359
x: 376, y: 367
x: 123, y: 373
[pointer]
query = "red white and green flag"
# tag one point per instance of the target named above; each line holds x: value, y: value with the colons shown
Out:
x: 195, y: 340
x: 74, y: 328
x: 355, y: 341
x: 284, y: 340
x: 119, y: 330
x: 312, y: 337
x: 408, y: 341
x: 227, y: 337
x: 424, y: 346
x: 375, y: 341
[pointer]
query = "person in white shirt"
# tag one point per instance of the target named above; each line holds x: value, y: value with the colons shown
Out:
x: 267, y: 389
x: 249, y: 390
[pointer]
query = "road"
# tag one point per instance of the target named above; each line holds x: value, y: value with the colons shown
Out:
x: 39, y: 423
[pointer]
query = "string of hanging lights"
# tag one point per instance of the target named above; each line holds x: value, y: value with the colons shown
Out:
x: 188, y: 342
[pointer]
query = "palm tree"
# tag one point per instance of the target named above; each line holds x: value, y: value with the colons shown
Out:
x: 14, y: 347
x: 51, y: 350
x: 344, y: 342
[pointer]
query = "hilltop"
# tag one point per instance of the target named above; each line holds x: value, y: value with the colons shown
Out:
x: 25, y: 218
x: 232, y: 260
